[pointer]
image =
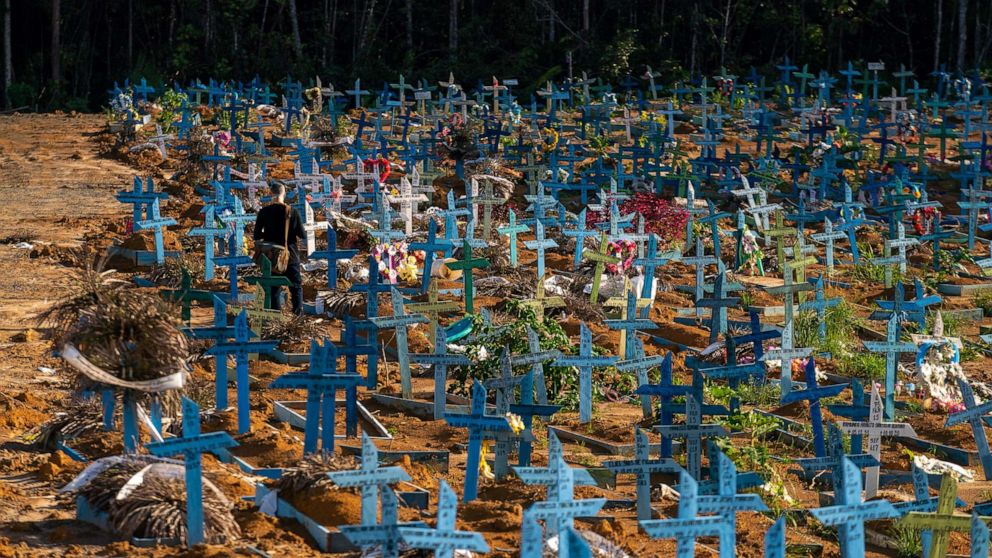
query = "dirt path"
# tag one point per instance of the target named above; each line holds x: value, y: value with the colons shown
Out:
x: 55, y: 189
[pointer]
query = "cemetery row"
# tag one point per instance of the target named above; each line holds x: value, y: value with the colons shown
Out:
x: 696, y: 315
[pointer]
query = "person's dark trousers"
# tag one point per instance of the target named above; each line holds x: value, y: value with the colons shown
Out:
x: 295, y: 289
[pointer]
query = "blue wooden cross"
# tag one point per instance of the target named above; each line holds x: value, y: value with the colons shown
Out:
x: 526, y: 409
x: 891, y: 347
x: 734, y: 373
x: 692, y: 431
x: 585, y: 362
x: 444, y: 539
x: 321, y: 381
x: 385, y: 535
x: 479, y: 425
x: 718, y: 306
x: 332, y: 254
x: 641, y: 364
x: 849, y: 513
x: 511, y: 230
x: 820, y: 305
x: 232, y: 261
x: 786, y: 353
x: 688, y: 526
x: 372, y: 289
x: 536, y: 359
x: 548, y: 476
x: 642, y: 466
x: 430, y: 247
x: 757, y: 337
x: 158, y: 223
x: 140, y: 196
x: 440, y: 360
x: 727, y: 503
x: 540, y: 244
x: 505, y: 385
x: 192, y: 445
x: 560, y: 509
x: 699, y: 262
x: 973, y: 415
x: 922, y: 502
x: 628, y: 326
x: 857, y: 410
x: 209, y: 231
x: 399, y: 321
x: 240, y: 348
x: 237, y: 219
x: 832, y: 461
x: 220, y: 331
x: 651, y: 261
x: 579, y: 233
x: 666, y: 392
x: 813, y: 394
x: 369, y: 478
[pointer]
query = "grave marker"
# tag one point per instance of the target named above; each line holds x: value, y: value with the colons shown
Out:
x: 973, y: 415
x: 692, y: 431
x: 891, y: 347
x: 369, y: 478
x: 642, y: 466
x: 849, y: 513
x: 874, y: 428
x: 479, y: 425
x: 240, y: 348
x: 585, y: 362
x: 192, y: 445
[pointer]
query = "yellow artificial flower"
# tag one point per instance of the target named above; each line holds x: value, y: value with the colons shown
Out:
x: 484, y: 468
x: 408, y: 269
x: 516, y: 423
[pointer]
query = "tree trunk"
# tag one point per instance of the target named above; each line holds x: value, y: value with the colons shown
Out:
x: 453, y: 28
x: 694, y: 22
x: 334, y: 31
x: 725, y: 33
x: 261, y: 28
x: 585, y: 15
x: 8, y: 68
x: 551, y: 21
x: 962, y: 32
x: 172, y: 21
x: 130, y: 34
x: 936, y: 40
x: 409, y: 25
x: 206, y: 26
x: 295, y: 23
x: 56, y: 41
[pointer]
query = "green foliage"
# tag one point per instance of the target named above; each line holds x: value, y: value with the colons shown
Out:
x: 510, y: 330
x: 983, y: 300
x: 908, y: 542
x: 171, y: 102
x: 842, y: 342
x: 754, y: 455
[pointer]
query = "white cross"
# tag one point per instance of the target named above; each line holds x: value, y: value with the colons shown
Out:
x: 407, y: 201
x: 874, y: 428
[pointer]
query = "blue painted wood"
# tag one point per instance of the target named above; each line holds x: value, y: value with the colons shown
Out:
x: 240, y: 347
x: 584, y: 361
x: 642, y: 466
x: 479, y: 425
x: 192, y: 445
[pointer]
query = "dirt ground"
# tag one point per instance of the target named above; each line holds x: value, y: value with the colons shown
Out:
x: 58, y: 185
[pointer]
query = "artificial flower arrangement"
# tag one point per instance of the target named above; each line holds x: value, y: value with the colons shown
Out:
x: 397, y: 263
x: 626, y: 251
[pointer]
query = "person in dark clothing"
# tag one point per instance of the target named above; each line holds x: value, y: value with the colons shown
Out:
x: 270, y: 226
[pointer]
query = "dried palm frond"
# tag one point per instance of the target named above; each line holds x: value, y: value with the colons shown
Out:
x: 311, y: 473
x: 102, y: 490
x: 580, y: 307
x: 293, y: 330
x: 157, y: 509
x: 170, y: 273
x: 79, y: 419
x: 345, y: 304
x: 130, y: 333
